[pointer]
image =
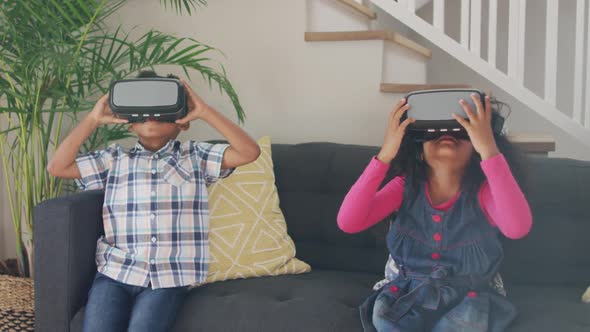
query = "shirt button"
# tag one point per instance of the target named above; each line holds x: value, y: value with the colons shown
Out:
x: 152, y: 216
x: 153, y: 193
x: 437, y: 237
x: 154, y: 239
x: 152, y: 261
x: 156, y: 156
x: 435, y: 255
x: 436, y: 218
x: 153, y: 171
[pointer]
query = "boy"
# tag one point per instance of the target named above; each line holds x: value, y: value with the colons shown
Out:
x: 155, y: 211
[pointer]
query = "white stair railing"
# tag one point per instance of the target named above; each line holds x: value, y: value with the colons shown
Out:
x: 468, y: 51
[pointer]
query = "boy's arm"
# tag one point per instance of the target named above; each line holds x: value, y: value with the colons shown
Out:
x: 63, y: 163
x: 242, y: 150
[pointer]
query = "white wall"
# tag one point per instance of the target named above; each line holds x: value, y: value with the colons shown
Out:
x: 445, y: 69
x: 291, y: 90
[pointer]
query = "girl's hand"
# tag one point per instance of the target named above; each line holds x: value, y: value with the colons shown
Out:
x: 102, y: 114
x: 196, y: 106
x: 479, y: 127
x: 395, y: 132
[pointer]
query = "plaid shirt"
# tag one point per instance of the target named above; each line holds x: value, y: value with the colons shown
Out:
x: 156, y: 211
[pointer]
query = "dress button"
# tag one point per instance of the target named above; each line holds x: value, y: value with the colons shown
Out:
x: 472, y: 294
x: 437, y: 237
x: 394, y: 289
x: 435, y: 255
x: 153, y: 171
x: 436, y: 218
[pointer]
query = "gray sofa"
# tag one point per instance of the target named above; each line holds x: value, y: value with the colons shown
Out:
x: 545, y: 273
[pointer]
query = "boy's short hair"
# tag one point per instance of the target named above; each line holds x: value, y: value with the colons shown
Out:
x: 153, y: 74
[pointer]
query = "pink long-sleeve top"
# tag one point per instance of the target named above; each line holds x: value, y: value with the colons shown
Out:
x: 500, y: 197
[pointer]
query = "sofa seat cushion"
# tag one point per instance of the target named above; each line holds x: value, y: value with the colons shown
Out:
x: 328, y: 300
x: 322, y: 300
x: 549, y: 309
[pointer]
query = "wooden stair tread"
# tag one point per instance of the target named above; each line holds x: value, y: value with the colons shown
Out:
x: 362, y: 9
x: 533, y: 143
x: 407, y: 88
x: 369, y: 35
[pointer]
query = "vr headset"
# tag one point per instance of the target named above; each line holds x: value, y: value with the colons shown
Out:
x: 433, y: 111
x: 162, y: 99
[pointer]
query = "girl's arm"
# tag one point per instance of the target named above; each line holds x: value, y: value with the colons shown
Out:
x: 242, y: 149
x: 503, y: 200
x: 364, y: 206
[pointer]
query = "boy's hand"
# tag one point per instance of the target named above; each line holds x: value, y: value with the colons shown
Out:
x: 102, y: 114
x: 479, y: 127
x: 196, y: 106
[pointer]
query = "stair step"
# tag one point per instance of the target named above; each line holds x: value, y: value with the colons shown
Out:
x: 362, y: 9
x: 369, y: 35
x: 533, y: 143
x: 407, y: 88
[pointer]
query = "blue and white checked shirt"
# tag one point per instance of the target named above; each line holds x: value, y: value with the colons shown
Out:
x: 156, y: 210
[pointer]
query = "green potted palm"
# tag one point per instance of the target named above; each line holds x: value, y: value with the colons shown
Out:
x: 56, y: 58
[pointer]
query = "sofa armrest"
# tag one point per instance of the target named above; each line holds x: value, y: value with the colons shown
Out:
x: 65, y: 232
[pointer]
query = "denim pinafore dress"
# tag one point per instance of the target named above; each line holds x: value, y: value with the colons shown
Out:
x: 446, y: 261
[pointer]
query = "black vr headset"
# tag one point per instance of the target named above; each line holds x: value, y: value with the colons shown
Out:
x: 162, y: 99
x: 433, y: 111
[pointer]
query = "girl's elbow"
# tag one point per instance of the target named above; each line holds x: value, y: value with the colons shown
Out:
x: 345, y: 225
x: 520, y: 233
x: 517, y: 235
x: 346, y: 228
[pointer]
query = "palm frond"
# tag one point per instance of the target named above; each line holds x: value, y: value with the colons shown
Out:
x: 113, y: 56
x: 181, y: 5
x: 56, y: 57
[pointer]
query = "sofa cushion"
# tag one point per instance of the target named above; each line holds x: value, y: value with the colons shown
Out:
x: 548, y: 309
x: 325, y: 300
x: 248, y: 234
x: 312, y: 180
x: 556, y: 250
x: 318, y: 301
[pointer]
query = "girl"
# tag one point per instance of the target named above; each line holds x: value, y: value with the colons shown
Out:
x: 453, y: 198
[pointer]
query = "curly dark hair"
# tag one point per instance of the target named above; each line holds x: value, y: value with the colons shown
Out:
x: 409, y: 163
x: 153, y: 74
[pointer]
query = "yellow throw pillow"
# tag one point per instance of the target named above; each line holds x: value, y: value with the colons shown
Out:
x: 248, y: 233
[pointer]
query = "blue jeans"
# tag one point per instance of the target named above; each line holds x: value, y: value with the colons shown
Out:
x: 114, y: 306
x: 417, y: 319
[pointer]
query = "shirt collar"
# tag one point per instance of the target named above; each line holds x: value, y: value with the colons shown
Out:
x: 167, y: 148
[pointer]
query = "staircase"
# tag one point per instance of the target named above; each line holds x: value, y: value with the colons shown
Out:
x: 355, y: 21
x: 468, y: 50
